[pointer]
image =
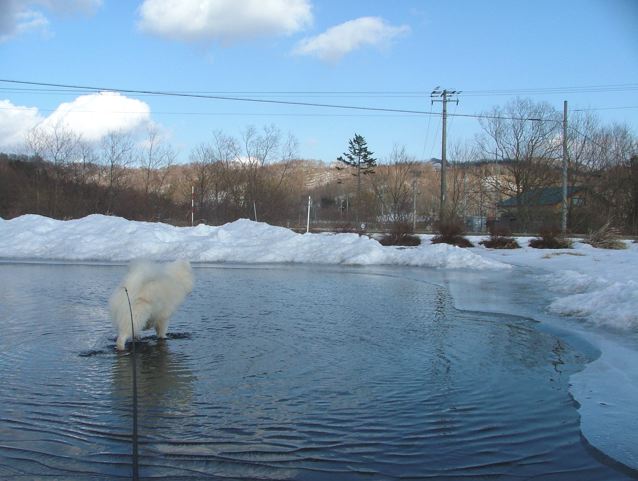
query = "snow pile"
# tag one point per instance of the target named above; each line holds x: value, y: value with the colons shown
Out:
x: 598, y: 286
x: 614, y: 305
x: 103, y: 238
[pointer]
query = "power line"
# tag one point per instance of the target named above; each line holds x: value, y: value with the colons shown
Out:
x: 605, y: 108
x: 211, y: 95
x: 162, y: 112
x: 390, y: 93
x: 555, y: 90
x: 264, y: 101
x: 215, y: 97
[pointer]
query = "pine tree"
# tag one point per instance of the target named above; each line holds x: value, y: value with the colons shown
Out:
x: 359, y: 157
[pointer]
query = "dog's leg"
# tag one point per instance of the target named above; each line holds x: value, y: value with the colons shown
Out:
x: 161, y: 326
x: 121, y: 340
x: 141, y: 313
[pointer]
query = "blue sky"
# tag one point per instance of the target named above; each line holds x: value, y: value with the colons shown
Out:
x: 311, y: 51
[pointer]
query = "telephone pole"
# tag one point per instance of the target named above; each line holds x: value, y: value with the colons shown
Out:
x: 565, y: 160
x: 444, y: 99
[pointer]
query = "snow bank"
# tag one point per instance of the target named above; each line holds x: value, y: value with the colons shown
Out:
x: 613, y: 305
x: 597, y: 286
x: 104, y: 238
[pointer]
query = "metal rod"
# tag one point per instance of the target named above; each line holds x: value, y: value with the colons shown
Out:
x: 136, y: 472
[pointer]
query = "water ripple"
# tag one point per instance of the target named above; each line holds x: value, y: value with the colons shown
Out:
x: 282, y: 374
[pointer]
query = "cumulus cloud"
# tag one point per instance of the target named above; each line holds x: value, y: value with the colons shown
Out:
x: 92, y: 116
x: 15, y: 122
x: 338, y: 41
x: 95, y: 115
x: 223, y: 20
x: 19, y: 16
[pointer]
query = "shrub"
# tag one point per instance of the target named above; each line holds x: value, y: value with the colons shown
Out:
x: 550, y: 237
x: 500, y: 238
x: 605, y: 238
x: 451, y: 232
x: 500, y: 242
x: 400, y: 235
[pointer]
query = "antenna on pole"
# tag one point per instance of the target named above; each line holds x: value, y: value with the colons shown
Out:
x: 443, y: 96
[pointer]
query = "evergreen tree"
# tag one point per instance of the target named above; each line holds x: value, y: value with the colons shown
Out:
x: 359, y: 157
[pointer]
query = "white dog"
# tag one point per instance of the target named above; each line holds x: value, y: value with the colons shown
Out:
x: 155, y: 291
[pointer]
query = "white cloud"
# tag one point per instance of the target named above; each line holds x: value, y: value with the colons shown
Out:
x: 18, y: 16
x: 95, y: 115
x: 223, y: 20
x: 340, y: 40
x: 15, y: 122
x: 31, y: 20
x: 92, y: 116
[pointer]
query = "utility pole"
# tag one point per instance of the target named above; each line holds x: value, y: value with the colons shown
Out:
x: 444, y: 94
x: 565, y: 159
x: 414, y: 205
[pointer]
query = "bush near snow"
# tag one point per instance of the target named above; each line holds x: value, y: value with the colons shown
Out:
x: 401, y: 234
x: 451, y: 232
x: 500, y: 238
x: 550, y: 237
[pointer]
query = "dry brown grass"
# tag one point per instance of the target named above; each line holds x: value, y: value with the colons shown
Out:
x: 605, y: 238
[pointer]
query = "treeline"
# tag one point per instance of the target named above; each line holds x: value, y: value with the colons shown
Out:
x: 30, y: 185
x: 258, y: 175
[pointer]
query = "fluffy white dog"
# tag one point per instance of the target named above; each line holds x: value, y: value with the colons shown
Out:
x: 156, y: 291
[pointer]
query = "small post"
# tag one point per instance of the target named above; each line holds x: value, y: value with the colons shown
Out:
x: 308, y: 220
x: 255, y: 210
x: 192, y: 205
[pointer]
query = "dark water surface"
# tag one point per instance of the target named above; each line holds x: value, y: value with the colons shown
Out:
x: 297, y: 372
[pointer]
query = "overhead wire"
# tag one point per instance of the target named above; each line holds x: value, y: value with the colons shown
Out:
x: 233, y: 96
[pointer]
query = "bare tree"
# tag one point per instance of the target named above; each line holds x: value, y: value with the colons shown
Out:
x: 154, y: 159
x: 525, y: 135
x: 116, y: 155
x: 395, y: 185
x: 58, y: 145
x: 614, y: 181
x: 264, y: 194
x: 461, y: 186
x: 226, y: 177
x: 202, y: 159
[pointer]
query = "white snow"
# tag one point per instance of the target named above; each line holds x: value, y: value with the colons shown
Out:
x: 594, y: 292
x: 104, y: 238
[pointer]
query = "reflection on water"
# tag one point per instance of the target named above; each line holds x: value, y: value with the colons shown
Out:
x: 164, y: 383
x: 284, y: 373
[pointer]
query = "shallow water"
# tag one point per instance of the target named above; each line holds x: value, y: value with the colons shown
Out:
x: 297, y: 372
